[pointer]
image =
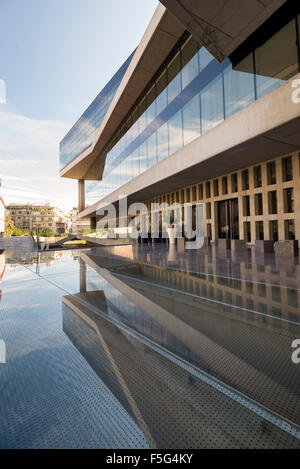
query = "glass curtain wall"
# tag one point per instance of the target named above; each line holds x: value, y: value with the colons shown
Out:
x: 82, y: 134
x: 190, y: 96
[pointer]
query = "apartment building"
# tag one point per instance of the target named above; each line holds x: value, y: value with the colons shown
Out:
x: 34, y: 217
x: 79, y: 225
x: 206, y: 110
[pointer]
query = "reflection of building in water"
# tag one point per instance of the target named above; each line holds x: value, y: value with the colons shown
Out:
x: 271, y: 300
x: 174, y: 407
x: 249, y: 351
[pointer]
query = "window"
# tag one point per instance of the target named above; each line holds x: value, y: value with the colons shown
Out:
x: 212, y: 105
x: 272, y: 199
x: 289, y: 229
x: 174, y: 78
x: 200, y: 191
x: 246, y: 206
x: 152, y: 150
x: 287, y: 169
x: 245, y: 179
x: 194, y: 192
x: 209, y: 232
x: 273, y: 226
x: 288, y: 200
x: 257, y: 176
x: 258, y: 204
x: 175, y: 133
x: 259, y: 226
x: 191, y: 120
x: 188, y: 194
x: 224, y: 185
x: 207, y: 187
x: 161, y: 92
x: 151, y: 105
x: 247, y: 231
x: 216, y: 187
x: 271, y: 173
x: 189, y: 58
x: 162, y: 142
x: 234, y: 182
x: 208, y: 210
x: 276, y: 59
x: 239, y: 86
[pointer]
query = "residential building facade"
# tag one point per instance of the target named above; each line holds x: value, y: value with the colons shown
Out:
x: 79, y: 225
x: 36, y: 217
x: 198, y: 118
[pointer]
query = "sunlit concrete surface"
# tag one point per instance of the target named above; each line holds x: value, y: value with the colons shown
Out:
x: 136, y: 347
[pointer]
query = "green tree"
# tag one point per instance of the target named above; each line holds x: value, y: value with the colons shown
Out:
x: 46, y: 232
x: 9, y: 225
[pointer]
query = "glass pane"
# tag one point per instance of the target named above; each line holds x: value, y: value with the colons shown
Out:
x: 175, y: 133
x: 135, y: 163
x: 162, y: 142
x: 174, y: 88
x: 276, y: 60
x: 142, y: 122
x: 174, y: 78
x: 239, y: 87
x: 151, y: 110
x: 191, y: 120
x: 190, y: 62
x: 204, y: 58
x: 212, y: 104
x: 161, y: 91
x: 152, y: 150
x: 129, y: 167
x: 142, y: 155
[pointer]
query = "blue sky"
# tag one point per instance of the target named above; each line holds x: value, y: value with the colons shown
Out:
x: 55, y: 57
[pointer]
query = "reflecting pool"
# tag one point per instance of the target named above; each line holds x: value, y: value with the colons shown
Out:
x: 112, y: 349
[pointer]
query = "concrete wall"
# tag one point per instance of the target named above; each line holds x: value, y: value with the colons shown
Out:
x: 196, y: 193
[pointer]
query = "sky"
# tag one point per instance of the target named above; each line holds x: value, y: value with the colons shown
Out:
x: 55, y: 57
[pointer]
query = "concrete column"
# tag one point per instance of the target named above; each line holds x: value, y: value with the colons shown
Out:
x: 81, y: 195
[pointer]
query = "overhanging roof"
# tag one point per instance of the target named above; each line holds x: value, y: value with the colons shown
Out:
x: 162, y: 34
x: 222, y: 25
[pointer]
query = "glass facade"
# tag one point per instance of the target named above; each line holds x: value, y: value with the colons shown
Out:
x: 82, y: 134
x: 191, y: 95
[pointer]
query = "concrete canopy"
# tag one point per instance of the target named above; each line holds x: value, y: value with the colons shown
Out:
x: 222, y: 25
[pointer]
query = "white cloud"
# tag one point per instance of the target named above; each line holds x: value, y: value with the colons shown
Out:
x: 29, y: 161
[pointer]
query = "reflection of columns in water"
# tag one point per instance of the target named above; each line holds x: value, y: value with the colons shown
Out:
x: 82, y: 276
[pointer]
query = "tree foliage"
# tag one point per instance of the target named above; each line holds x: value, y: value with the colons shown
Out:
x: 9, y: 225
x: 46, y: 232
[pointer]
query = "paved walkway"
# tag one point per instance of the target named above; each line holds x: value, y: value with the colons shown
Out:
x: 18, y: 243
